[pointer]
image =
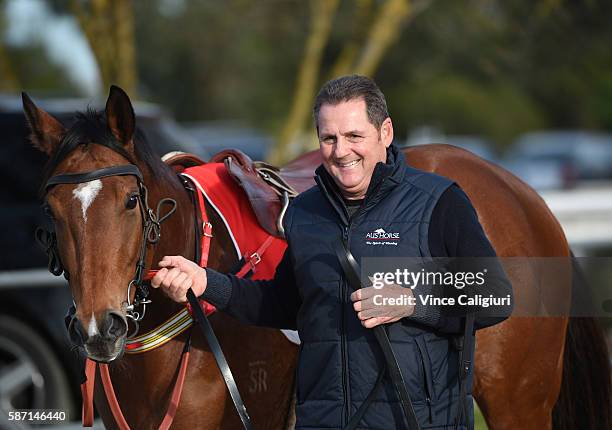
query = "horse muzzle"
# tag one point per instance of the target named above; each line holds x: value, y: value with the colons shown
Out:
x: 103, y: 342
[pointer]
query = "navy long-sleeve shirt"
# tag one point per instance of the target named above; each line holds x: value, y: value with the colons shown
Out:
x: 454, y: 231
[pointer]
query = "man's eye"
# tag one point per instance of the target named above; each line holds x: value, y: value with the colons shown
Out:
x: 132, y: 202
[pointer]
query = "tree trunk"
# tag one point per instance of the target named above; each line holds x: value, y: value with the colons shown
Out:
x: 322, y: 16
x: 108, y: 26
x: 384, y: 31
x: 8, y: 79
x: 345, y: 62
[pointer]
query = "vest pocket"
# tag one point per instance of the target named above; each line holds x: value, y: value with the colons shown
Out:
x: 427, y: 377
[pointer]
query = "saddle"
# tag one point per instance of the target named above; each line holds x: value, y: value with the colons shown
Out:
x: 268, y: 188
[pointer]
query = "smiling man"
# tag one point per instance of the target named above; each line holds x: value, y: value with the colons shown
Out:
x: 351, y: 145
x: 367, y: 196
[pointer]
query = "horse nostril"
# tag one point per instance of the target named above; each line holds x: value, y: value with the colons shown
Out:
x: 115, y: 325
x: 76, y: 332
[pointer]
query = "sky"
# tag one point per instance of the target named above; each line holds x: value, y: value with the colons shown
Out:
x: 31, y: 21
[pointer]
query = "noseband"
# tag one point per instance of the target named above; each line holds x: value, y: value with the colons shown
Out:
x: 151, y: 231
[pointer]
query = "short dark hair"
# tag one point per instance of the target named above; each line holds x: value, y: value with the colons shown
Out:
x: 353, y: 87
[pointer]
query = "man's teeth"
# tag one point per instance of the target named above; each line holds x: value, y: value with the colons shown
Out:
x: 349, y: 164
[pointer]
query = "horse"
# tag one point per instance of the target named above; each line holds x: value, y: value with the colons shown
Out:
x: 530, y: 372
x: 99, y: 237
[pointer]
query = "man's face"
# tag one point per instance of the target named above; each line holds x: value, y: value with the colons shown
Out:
x: 351, y: 145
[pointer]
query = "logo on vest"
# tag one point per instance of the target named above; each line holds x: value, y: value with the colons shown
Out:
x: 381, y: 237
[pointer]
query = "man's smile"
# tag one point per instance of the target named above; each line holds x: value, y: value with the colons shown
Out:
x: 348, y: 164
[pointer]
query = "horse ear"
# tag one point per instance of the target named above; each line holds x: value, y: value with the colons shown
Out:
x: 120, y: 115
x: 47, y: 132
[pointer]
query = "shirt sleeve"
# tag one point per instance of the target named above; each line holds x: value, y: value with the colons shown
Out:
x: 455, y: 231
x: 267, y: 303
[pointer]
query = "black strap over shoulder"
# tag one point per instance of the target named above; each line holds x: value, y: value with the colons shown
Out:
x: 465, y: 361
x: 351, y: 270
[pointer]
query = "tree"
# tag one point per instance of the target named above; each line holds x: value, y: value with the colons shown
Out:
x: 386, y: 27
x: 108, y: 26
x: 322, y: 15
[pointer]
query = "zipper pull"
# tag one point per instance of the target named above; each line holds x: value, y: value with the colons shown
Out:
x: 429, y: 407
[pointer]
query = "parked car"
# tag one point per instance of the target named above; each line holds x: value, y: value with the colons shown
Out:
x: 560, y: 159
x: 37, y: 367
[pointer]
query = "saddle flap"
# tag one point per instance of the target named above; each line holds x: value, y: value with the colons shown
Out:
x: 264, y: 200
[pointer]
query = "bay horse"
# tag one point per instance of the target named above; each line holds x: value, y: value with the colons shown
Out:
x: 530, y: 373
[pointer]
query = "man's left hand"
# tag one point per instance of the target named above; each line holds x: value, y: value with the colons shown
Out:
x: 380, y: 306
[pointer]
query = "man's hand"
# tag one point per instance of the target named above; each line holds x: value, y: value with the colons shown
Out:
x: 380, y: 306
x: 177, y: 275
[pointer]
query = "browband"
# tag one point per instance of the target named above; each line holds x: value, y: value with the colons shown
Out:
x: 76, y: 178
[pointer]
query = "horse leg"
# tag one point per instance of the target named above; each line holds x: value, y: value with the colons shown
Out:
x: 519, y: 366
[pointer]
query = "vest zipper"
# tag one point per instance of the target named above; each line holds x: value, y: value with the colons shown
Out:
x: 426, y: 378
x: 343, y: 341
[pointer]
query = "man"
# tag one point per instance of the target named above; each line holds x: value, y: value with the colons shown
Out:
x: 363, y: 186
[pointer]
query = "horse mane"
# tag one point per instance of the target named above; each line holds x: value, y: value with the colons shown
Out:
x: 91, y: 127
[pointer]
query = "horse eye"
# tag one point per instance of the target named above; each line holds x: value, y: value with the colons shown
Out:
x: 48, y: 211
x: 132, y: 201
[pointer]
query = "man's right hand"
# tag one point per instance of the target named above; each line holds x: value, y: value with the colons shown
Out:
x: 177, y: 275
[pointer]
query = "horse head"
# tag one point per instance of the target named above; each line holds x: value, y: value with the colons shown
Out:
x: 94, y: 193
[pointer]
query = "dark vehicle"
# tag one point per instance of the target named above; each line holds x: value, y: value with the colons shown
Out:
x: 37, y: 367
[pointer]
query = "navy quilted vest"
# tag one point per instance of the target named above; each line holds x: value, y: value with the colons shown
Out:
x: 339, y: 359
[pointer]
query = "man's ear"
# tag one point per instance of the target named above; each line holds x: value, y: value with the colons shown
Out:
x: 47, y: 132
x: 386, y: 132
x: 120, y: 115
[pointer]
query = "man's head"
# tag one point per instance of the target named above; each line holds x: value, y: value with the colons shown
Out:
x: 354, y: 131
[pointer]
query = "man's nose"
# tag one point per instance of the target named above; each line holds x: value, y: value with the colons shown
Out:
x: 342, y: 148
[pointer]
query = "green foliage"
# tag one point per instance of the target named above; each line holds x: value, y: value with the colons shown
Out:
x: 493, y: 68
x: 36, y: 73
x: 212, y: 62
x: 458, y: 105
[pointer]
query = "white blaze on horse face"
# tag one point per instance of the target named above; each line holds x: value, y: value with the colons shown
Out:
x: 92, y: 330
x: 87, y: 193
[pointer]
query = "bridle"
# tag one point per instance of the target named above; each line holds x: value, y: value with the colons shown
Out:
x: 151, y: 232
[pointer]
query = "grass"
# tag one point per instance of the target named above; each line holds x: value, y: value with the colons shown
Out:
x: 479, y: 421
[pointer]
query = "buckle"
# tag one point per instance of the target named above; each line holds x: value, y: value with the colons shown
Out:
x: 204, y: 229
x: 254, y: 256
